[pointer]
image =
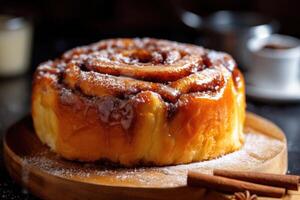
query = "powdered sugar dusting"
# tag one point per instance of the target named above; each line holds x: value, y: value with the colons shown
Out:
x: 256, y: 150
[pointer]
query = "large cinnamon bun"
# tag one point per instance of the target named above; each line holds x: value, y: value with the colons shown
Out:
x: 139, y: 101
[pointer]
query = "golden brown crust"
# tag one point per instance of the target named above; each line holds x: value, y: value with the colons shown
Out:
x: 140, y: 100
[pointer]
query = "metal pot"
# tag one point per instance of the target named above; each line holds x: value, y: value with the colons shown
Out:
x: 229, y: 31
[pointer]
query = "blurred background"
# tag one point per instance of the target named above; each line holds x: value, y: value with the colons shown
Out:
x: 62, y: 24
x: 34, y: 31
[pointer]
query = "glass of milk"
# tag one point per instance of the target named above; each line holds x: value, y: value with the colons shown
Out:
x: 15, y: 45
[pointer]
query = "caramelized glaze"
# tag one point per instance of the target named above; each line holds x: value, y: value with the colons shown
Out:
x: 121, y: 68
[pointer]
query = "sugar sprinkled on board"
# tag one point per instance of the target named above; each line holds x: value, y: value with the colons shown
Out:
x: 24, y: 175
x: 249, y: 157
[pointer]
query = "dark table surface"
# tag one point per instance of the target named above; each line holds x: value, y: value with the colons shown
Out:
x: 15, y: 103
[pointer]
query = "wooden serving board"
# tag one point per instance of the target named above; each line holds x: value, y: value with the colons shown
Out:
x: 48, y: 176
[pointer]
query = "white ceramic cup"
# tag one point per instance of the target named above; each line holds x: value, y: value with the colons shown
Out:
x: 276, y: 67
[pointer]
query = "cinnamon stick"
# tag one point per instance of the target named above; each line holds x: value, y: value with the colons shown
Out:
x: 285, y: 181
x: 230, y: 185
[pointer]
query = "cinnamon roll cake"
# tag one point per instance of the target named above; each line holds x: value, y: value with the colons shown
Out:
x: 139, y: 101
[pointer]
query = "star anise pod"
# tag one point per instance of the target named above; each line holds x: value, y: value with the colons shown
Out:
x: 244, y: 196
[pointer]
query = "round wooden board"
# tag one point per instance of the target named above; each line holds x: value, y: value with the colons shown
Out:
x: 48, y: 176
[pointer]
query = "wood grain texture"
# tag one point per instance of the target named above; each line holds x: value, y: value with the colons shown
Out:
x: 48, y: 176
